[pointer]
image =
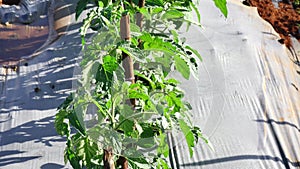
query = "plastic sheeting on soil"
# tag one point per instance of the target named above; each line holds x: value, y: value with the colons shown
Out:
x: 246, y: 101
x: 26, y: 12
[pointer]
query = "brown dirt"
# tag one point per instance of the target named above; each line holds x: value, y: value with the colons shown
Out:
x: 285, y: 19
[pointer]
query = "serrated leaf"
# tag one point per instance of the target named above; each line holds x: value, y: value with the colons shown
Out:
x: 86, y: 150
x: 61, y: 127
x: 110, y: 63
x: 182, y: 67
x: 189, y: 137
x: 134, y: 52
x: 221, y: 4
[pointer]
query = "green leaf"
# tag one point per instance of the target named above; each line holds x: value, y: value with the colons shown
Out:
x: 105, y: 2
x: 155, y: 2
x: 75, y: 122
x: 134, y: 52
x: 176, y: 98
x: 145, y: 13
x: 157, y: 10
x: 67, y: 102
x: 86, y: 149
x: 127, y: 127
x: 196, y: 10
x: 194, y: 51
x: 138, y: 128
x: 189, y: 136
x: 126, y: 111
x: 198, y: 134
x: 172, y: 14
x: 134, y: 28
x: 132, y: 152
x: 80, y: 7
x: 221, y: 4
x: 162, y: 164
x: 138, y: 163
x: 175, y: 36
x: 147, y: 142
x: 163, y: 147
x: 134, y: 94
x: 72, y: 157
x: 62, y: 128
x: 182, y: 67
x: 110, y: 63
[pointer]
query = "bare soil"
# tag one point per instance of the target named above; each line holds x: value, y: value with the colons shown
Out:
x: 285, y: 18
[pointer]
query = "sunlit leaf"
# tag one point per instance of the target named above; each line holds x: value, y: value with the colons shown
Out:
x: 172, y: 14
x: 163, y: 147
x: 182, y: 67
x: 221, y: 4
x: 189, y: 137
x: 194, y: 51
x: 138, y: 163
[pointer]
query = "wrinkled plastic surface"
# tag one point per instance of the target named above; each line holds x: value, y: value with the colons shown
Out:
x: 26, y: 12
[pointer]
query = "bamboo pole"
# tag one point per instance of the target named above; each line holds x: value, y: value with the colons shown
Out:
x: 129, y: 76
x: 127, y: 60
x: 139, y: 16
x: 127, y: 64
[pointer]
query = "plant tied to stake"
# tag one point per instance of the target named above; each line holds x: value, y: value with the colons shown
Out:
x: 126, y: 103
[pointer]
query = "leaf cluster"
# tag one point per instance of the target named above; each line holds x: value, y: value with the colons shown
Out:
x: 98, y: 115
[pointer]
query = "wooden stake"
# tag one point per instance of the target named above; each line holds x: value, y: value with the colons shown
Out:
x: 108, y: 159
x: 127, y: 60
x: 125, y: 27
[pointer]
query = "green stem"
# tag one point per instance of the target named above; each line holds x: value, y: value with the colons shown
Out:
x: 104, y: 113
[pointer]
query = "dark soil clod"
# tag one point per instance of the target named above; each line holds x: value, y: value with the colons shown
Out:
x: 281, y: 41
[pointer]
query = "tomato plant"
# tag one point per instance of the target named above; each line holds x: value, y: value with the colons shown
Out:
x: 126, y: 102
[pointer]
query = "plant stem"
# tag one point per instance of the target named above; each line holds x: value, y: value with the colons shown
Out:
x: 128, y: 67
